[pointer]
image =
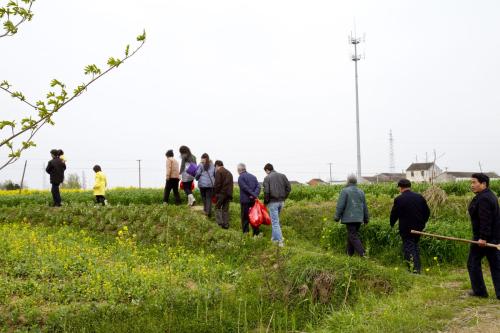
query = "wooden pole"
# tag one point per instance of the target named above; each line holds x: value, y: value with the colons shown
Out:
x: 415, y: 232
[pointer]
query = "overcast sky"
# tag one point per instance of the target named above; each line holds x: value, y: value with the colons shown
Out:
x: 262, y: 81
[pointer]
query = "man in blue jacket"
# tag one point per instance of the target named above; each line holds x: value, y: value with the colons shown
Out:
x: 352, y: 211
x: 485, y: 218
x: 249, y: 191
x: 412, y: 211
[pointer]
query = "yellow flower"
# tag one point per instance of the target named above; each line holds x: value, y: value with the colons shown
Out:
x: 125, y: 228
x: 427, y: 269
x: 435, y: 258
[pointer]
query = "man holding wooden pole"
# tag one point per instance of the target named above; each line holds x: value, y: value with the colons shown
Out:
x: 485, y: 218
x: 412, y: 211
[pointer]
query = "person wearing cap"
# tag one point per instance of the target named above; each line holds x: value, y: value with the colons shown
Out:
x: 352, y: 211
x: 412, y: 211
x: 485, y: 218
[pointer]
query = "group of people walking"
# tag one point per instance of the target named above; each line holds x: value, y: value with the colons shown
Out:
x: 412, y: 212
x: 216, y: 184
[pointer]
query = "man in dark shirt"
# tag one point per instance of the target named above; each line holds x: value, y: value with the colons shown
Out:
x: 276, y: 191
x: 485, y: 218
x: 223, y: 189
x: 412, y: 211
x: 55, y: 168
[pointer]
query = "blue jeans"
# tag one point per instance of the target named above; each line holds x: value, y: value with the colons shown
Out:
x: 275, y: 210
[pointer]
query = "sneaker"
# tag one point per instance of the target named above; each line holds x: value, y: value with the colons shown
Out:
x: 281, y: 244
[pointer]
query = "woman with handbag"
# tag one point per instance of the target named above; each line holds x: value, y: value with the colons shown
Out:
x: 188, y: 171
x: 205, y: 175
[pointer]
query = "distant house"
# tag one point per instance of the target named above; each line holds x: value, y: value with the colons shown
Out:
x: 455, y: 176
x: 316, y: 182
x: 384, y: 178
x: 422, y: 172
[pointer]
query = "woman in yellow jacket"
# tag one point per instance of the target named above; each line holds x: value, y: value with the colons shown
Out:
x: 100, y: 186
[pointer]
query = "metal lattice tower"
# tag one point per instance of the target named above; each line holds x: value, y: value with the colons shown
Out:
x: 392, y: 163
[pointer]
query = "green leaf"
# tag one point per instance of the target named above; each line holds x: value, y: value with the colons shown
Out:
x: 92, y: 69
x: 142, y: 38
x: 112, y: 62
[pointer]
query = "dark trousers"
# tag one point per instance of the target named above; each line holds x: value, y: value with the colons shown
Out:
x: 476, y: 255
x: 56, y: 195
x: 411, y: 253
x: 245, y: 220
x: 172, y: 184
x: 206, y: 197
x: 354, y: 244
x: 187, y: 187
x: 222, y: 211
x: 100, y: 199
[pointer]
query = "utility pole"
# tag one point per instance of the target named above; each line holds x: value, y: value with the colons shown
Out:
x: 331, y: 179
x: 140, y: 185
x: 84, y: 181
x: 354, y: 40
x: 392, y: 163
x: 44, y: 177
x: 22, y: 178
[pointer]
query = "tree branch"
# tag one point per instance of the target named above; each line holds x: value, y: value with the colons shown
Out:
x: 56, y: 109
x: 26, y: 17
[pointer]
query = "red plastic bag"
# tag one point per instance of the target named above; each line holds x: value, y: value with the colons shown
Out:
x: 255, y: 215
x: 214, y: 199
x: 181, y: 186
x: 266, y: 219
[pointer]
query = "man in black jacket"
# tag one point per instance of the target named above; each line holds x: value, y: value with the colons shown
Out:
x: 223, y: 189
x: 485, y: 217
x: 276, y: 190
x: 56, y: 168
x: 413, y: 213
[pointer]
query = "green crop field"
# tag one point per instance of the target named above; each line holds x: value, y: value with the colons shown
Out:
x: 140, y: 266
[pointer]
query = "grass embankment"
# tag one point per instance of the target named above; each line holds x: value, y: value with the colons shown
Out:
x: 151, y: 268
x: 154, y: 268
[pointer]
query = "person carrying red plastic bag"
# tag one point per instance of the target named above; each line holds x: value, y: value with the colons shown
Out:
x: 249, y: 191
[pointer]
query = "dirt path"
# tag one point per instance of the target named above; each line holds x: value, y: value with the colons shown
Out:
x: 482, y: 318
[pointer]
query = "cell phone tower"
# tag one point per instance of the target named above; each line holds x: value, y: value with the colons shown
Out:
x: 392, y: 163
x: 354, y: 40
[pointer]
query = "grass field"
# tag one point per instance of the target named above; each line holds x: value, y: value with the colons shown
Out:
x: 139, y: 266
